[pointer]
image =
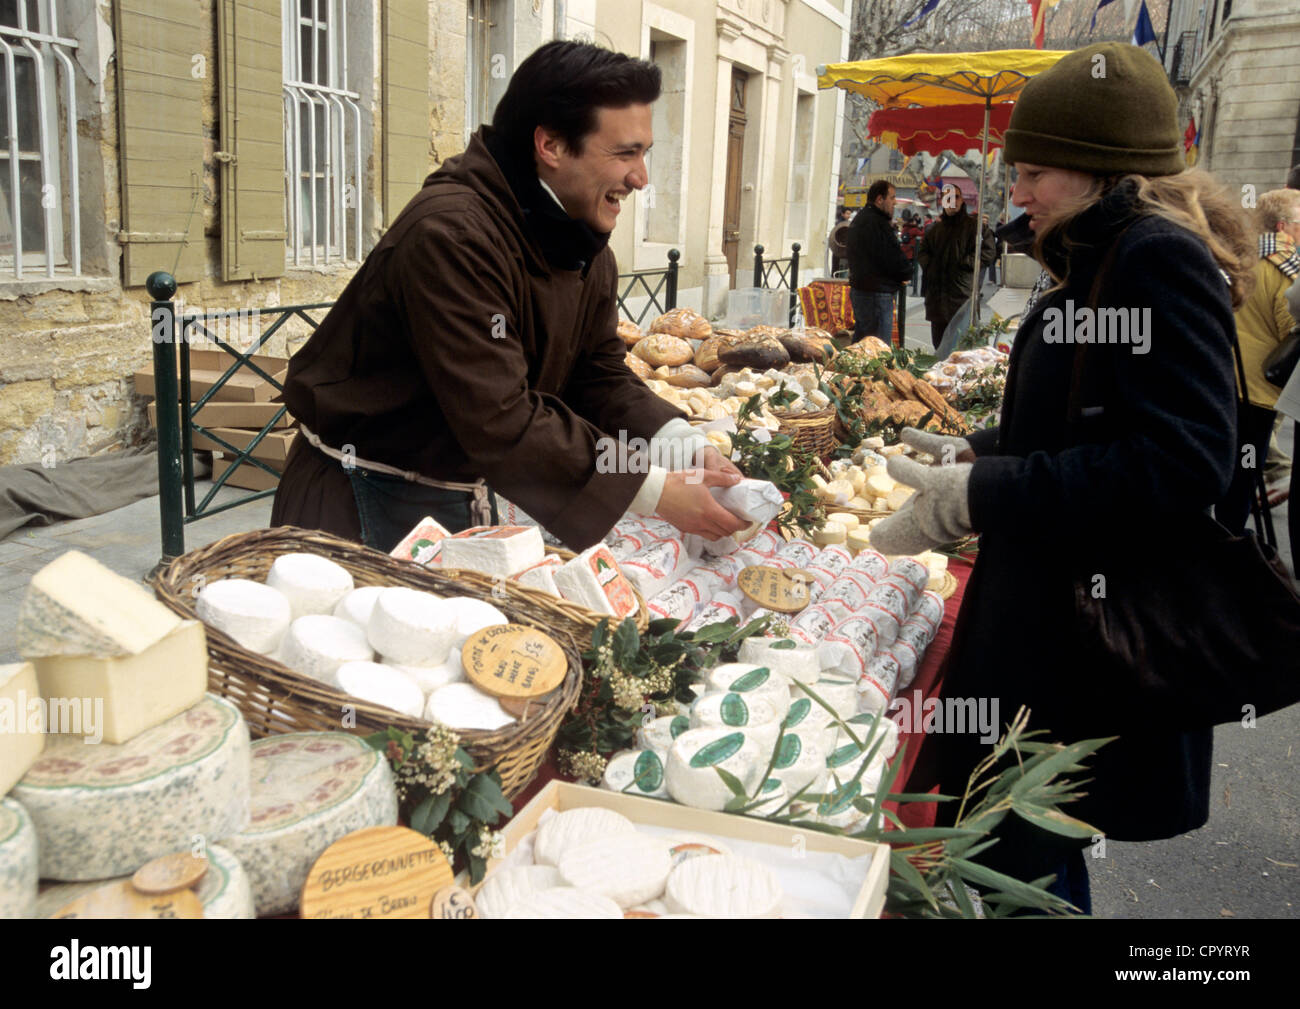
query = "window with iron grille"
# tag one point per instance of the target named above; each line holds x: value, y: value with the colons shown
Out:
x: 40, y: 228
x: 322, y: 135
x: 487, y: 68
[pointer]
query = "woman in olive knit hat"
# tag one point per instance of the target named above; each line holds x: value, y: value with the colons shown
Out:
x: 1117, y: 222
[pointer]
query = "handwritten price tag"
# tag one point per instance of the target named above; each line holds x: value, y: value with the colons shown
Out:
x: 511, y: 660
x: 784, y: 590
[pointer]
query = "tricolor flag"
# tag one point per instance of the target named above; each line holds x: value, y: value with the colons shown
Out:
x: 1038, y: 9
x: 1190, y: 135
x: 1144, y: 31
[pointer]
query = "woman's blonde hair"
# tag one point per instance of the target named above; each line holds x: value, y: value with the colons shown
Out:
x: 1193, y: 200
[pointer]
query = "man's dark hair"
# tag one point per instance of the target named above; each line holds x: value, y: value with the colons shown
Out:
x: 562, y: 84
x: 879, y: 188
x: 1293, y: 177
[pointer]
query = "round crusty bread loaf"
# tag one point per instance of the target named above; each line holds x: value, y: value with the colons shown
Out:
x: 660, y: 348
x: 805, y: 347
x: 638, y: 367
x: 761, y: 352
x: 685, y: 323
x: 629, y: 331
x: 687, y: 376
x: 706, y: 355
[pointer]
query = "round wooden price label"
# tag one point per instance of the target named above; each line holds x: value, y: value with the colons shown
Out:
x: 379, y: 872
x: 510, y: 660
x: 170, y: 872
x: 122, y: 900
x: 784, y: 590
x: 453, y: 902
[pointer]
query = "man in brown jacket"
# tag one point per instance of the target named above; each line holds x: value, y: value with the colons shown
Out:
x: 476, y: 346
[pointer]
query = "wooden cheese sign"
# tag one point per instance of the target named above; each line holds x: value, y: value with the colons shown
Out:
x: 453, y: 902
x: 784, y: 590
x: 379, y: 872
x: 510, y: 660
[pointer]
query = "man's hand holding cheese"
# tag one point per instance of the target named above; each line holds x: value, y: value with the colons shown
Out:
x: 477, y: 345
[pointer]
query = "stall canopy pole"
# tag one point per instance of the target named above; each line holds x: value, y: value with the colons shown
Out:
x: 979, y: 227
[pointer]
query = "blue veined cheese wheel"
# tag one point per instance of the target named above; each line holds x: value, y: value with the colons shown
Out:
x: 18, y: 861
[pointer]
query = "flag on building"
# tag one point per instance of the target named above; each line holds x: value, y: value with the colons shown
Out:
x: 1093, y: 27
x: 1144, y: 31
x: 929, y: 6
x: 1038, y: 10
x: 1190, y: 134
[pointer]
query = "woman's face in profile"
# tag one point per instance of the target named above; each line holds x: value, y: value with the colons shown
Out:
x: 1041, y: 190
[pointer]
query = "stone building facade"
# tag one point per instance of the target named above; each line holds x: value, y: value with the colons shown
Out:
x: 257, y: 149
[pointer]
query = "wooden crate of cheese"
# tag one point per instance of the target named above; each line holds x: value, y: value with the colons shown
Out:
x: 797, y: 842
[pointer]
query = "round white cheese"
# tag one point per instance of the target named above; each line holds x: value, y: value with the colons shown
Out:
x: 358, y: 604
x: 691, y: 775
x: 841, y: 695
x: 771, y: 800
x: 574, y: 828
x: 412, y: 628
x: 794, y: 660
x: 308, y: 790
x: 430, y: 678
x: 811, y: 721
x: 724, y: 886
x: 312, y: 584
x: 317, y: 645
x: 626, y: 868
x: 224, y: 890
x: 748, y: 678
x: 471, y: 616
x: 684, y: 846
x: 18, y: 861
x: 661, y: 732
x: 381, y: 685
x: 507, y: 887
x: 754, y: 715
x: 636, y: 772
x: 255, y: 615
x: 464, y: 706
x: 103, y: 810
x: 565, y: 902
x: 800, y: 762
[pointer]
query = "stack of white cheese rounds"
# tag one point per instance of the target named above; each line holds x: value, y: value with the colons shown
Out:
x: 593, y: 863
x: 394, y: 647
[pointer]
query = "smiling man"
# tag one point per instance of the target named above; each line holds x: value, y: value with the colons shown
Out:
x: 476, y: 346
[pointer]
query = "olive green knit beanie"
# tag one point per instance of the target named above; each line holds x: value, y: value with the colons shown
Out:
x: 1105, y: 116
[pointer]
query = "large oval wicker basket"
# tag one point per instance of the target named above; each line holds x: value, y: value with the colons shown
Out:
x: 274, y: 699
x: 811, y: 432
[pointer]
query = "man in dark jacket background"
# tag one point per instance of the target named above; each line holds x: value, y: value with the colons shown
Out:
x: 947, y: 257
x: 877, y: 266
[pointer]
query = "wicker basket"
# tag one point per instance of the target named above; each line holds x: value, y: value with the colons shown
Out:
x: 811, y: 432
x: 274, y: 699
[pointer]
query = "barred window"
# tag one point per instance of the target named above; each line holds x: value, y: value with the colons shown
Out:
x: 322, y: 135
x: 40, y: 229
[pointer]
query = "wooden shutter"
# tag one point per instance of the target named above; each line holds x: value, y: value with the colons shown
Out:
x: 406, y: 103
x: 159, y: 98
x: 251, y: 104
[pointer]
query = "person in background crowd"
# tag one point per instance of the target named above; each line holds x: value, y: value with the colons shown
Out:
x: 1121, y: 223
x: 1263, y: 322
x: 910, y: 240
x: 877, y: 266
x: 947, y: 258
x: 839, y: 233
x: 990, y: 236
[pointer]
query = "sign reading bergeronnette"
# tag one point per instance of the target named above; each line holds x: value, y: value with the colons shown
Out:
x: 379, y: 872
x: 510, y: 660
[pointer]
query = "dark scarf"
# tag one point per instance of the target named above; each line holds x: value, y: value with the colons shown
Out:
x: 567, y: 244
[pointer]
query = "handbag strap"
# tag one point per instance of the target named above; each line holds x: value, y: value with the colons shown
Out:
x: 1262, y: 517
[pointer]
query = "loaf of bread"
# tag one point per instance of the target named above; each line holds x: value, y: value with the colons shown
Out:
x: 684, y: 323
x: 756, y: 352
x: 872, y: 345
x: 629, y: 331
x: 806, y: 347
x: 638, y: 367
x: 687, y: 376
x: 706, y: 355
x: 660, y: 348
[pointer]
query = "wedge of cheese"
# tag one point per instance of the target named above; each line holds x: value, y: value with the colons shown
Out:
x: 20, y: 743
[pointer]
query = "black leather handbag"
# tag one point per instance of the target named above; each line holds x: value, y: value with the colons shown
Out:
x: 1279, y: 365
x: 1209, y: 635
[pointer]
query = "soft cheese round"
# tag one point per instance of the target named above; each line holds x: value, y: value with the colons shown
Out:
x: 797, y: 663
x: 255, y: 615
x: 811, y: 721
x: 383, y: 685
x: 507, y: 887
x: 799, y: 762
x: 308, y: 790
x: 724, y: 886
x: 573, y: 828
x: 224, y: 890
x: 749, y: 678
x: 659, y: 734
x: 636, y: 772
x: 565, y: 902
x: 841, y: 694
x: 18, y: 861
x: 471, y: 616
x: 754, y: 715
x: 464, y: 706
x: 411, y: 627
x: 317, y: 645
x: 311, y: 583
x: 358, y: 604
x: 626, y: 868
x: 691, y: 775
x: 103, y: 810
x: 430, y: 678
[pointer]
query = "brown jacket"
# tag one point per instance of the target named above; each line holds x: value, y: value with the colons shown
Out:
x: 476, y: 342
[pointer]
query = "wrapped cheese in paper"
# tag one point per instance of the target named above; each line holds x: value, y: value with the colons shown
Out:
x: 657, y: 566
x: 753, y: 500
x: 423, y: 543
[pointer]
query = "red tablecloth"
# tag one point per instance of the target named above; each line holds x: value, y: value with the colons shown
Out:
x: 928, y: 681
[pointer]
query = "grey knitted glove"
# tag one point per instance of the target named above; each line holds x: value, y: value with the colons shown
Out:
x: 937, y: 513
x: 945, y: 448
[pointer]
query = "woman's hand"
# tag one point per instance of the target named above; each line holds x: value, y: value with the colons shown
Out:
x: 711, y: 459
x: 687, y: 503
